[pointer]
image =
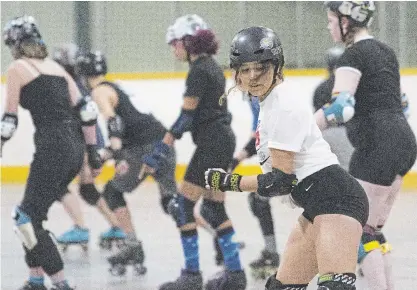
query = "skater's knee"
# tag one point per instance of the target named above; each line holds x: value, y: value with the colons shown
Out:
x: 113, y: 197
x: 26, y: 228
x: 89, y: 193
x: 274, y: 284
x: 214, y: 212
x: 182, y: 210
x: 344, y: 281
x: 258, y: 206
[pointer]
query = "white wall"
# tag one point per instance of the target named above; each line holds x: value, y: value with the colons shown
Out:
x: 164, y: 97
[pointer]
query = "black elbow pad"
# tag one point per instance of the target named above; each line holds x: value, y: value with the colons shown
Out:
x: 276, y: 183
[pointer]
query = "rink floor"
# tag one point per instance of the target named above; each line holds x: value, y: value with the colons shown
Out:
x: 162, y: 244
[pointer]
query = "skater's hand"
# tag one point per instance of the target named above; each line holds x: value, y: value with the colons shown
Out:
x: 154, y: 161
x: 218, y: 180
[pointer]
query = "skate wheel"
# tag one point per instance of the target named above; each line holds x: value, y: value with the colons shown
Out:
x: 140, y: 270
x: 118, y: 270
x: 360, y: 272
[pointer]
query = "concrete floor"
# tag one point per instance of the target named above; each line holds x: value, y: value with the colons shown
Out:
x: 162, y: 243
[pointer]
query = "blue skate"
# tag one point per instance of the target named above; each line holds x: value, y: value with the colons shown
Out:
x: 74, y: 236
x: 114, y: 234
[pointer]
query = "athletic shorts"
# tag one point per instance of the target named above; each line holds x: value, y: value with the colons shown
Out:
x: 214, y: 151
x: 165, y: 177
x: 332, y: 191
x: 391, y: 151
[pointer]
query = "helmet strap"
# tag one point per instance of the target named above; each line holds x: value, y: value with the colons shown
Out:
x: 341, y: 29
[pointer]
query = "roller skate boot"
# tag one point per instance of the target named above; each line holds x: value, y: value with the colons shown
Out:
x: 186, y: 281
x: 129, y: 254
x: 265, y: 265
x: 75, y: 236
x: 62, y: 286
x: 32, y: 286
x: 114, y: 236
x: 227, y: 280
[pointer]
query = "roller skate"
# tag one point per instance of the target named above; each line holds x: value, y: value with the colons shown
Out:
x: 186, y: 281
x: 32, y: 286
x: 75, y: 236
x: 128, y: 255
x: 265, y: 266
x: 62, y: 286
x: 113, y: 236
x: 227, y: 280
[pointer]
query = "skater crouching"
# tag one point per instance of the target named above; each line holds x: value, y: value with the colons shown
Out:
x: 133, y: 135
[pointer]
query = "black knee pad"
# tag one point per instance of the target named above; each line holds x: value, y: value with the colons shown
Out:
x: 113, y: 197
x: 89, y: 193
x: 345, y: 281
x: 213, y: 212
x: 274, y: 284
x: 261, y: 208
x: 45, y: 254
x: 182, y: 210
x: 258, y: 205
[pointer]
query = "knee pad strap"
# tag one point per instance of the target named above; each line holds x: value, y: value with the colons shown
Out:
x: 89, y: 193
x: 213, y: 212
x: 113, y: 197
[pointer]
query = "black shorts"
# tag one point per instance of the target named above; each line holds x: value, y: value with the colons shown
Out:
x: 56, y: 162
x: 390, y: 150
x: 214, y: 151
x: 332, y: 191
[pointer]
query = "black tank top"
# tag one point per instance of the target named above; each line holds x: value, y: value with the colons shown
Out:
x: 47, y: 98
x: 140, y: 129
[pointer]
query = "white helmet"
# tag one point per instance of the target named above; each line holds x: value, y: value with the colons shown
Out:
x: 185, y: 25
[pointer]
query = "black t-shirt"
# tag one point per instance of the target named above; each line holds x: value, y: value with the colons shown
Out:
x: 378, y: 96
x: 139, y: 128
x: 379, y: 86
x: 206, y: 81
x: 323, y: 93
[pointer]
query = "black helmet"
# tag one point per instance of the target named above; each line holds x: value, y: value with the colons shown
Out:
x: 91, y: 64
x: 20, y: 29
x: 66, y: 55
x: 255, y: 44
x: 359, y: 13
x: 332, y: 55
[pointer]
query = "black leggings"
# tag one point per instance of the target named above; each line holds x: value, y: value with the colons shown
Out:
x: 55, y: 164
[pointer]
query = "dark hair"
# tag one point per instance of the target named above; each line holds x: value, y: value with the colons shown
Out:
x: 204, y: 41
